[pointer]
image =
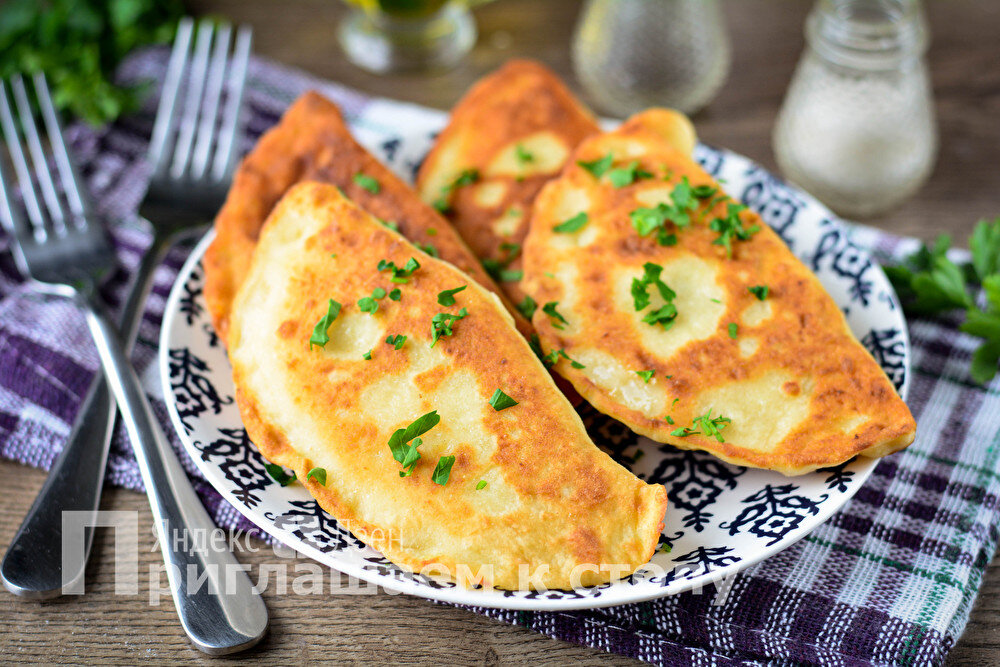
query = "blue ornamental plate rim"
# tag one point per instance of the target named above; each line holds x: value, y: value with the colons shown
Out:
x: 833, y: 252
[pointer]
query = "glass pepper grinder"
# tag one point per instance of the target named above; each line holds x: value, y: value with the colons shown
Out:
x: 634, y: 54
x: 857, y: 126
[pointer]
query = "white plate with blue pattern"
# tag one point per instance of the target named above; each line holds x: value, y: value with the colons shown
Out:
x: 721, y: 518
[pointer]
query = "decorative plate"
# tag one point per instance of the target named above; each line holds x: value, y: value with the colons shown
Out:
x: 721, y: 518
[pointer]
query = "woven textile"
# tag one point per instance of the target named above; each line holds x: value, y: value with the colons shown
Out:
x: 888, y: 580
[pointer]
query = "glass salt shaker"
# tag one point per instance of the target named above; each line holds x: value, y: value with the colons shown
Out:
x: 857, y: 126
x: 634, y: 54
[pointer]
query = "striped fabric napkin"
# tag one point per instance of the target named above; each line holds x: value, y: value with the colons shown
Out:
x: 889, y: 580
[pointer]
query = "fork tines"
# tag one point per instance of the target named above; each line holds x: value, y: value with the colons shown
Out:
x: 58, y: 210
x: 191, y: 139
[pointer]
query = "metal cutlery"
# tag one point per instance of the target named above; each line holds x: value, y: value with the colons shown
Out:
x: 66, y: 254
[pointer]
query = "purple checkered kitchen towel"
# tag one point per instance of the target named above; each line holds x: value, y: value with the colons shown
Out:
x: 888, y: 580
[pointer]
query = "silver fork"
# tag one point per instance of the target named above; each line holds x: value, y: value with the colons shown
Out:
x: 64, y: 253
x: 178, y: 204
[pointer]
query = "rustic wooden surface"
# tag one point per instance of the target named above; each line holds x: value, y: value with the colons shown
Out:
x: 767, y: 38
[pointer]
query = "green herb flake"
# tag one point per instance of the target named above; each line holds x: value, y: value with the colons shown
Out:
x: 759, y: 291
x: 734, y: 329
x: 574, y: 224
x: 646, y: 375
x: 480, y: 485
x: 731, y: 228
x: 395, y: 294
x: 366, y: 182
x: 598, y: 167
x: 465, y: 177
x: 403, y: 450
x: 367, y: 356
x: 627, y: 175
x: 394, y: 226
x: 527, y: 307
x: 442, y: 323
x: 318, y: 474
x: 497, y: 268
x: 396, y: 341
x: 320, y: 335
x: 555, y: 317
x: 501, y: 401
x: 366, y: 304
x: 278, y: 474
x: 524, y: 156
x: 378, y: 293
x: 670, y: 420
x: 549, y: 359
x: 447, y: 297
x: 704, y: 425
x: 442, y: 470
x: 399, y: 275
x: 667, y: 313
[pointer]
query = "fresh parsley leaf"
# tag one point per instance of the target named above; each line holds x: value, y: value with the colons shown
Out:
x: 465, y: 177
x: 367, y: 356
x: 378, y: 293
x: 501, y: 401
x: 399, y: 275
x: 442, y: 323
x: 598, y: 167
x: 398, y: 441
x: 554, y: 315
x: 759, y: 291
x: 429, y: 249
x: 670, y: 420
x: 708, y: 425
x: 646, y: 375
x: 442, y: 470
x: 480, y: 485
x: 628, y: 174
x: 985, y: 246
x: 527, y: 307
x: 395, y: 294
x: 432, y: 232
x: 278, y: 474
x: 319, y: 335
x: 366, y: 304
x: 497, y: 268
x: 410, y: 458
x: 396, y: 341
x: 318, y: 474
x: 447, y: 297
x: 394, y: 226
x: 734, y: 329
x: 731, y: 227
x: 523, y: 155
x: 366, y: 182
x: 984, y: 361
x: 574, y: 224
x: 548, y: 360
x: 666, y: 314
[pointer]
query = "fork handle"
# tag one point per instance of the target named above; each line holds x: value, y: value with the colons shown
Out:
x: 219, y: 608
x: 33, y: 566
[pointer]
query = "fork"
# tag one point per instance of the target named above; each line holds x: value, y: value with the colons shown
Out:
x: 178, y: 208
x: 65, y: 254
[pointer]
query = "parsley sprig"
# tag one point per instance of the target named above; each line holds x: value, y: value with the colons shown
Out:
x: 403, y: 442
x: 684, y: 200
x: 731, y: 227
x: 319, y: 335
x: 549, y: 359
x: 708, y: 425
x: 442, y: 324
x: 399, y: 275
x: 928, y: 283
x: 665, y: 314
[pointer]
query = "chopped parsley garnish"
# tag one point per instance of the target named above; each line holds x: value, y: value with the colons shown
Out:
x: 524, y: 156
x: 710, y: 426
x: 759, y: 291
x: 395, y: 294
x: 429, y: 249
x: 501, y: 401
x: 378, y: 293
x: 394, y: 226
x: 574, y: 224
x: 734, y: 329
x: 442, y: 470
x: 366, y: 304
x: 367, y: 356
x: 442, y: 323
x: 447, y: 297
x: 667, y: 313
x: 466, y: 177
x: 366, y: 182
x: 319, y: 334
x: 646, y: 375
x: 527, y: 307
x: 731, y: 227
x: 396, y: 341
x: 432, y: 232
x: 550, y: 359
x: 399, y: 275
x: 555, y: 317
x: 627, y: 175
x: 497, y: 268
x: 480, y: 485
x: 670, y: 420
x: 598, y: 167
x: 278, y: 474
x: 318, y: 474
x: 403, y: 450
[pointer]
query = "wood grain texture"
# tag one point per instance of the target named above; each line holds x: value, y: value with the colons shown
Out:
x: 767, y: 39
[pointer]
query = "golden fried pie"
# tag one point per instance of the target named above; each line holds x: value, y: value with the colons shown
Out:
x: 510, y: 134
x: 432, y: 430
x: 674, y: 309
x: 312, y: 143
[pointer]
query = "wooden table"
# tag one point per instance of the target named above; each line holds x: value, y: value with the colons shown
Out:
x: 767, y: 39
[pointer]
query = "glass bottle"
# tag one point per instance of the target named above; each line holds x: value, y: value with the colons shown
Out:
x: 857, y: 126
x: 634, y: 54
